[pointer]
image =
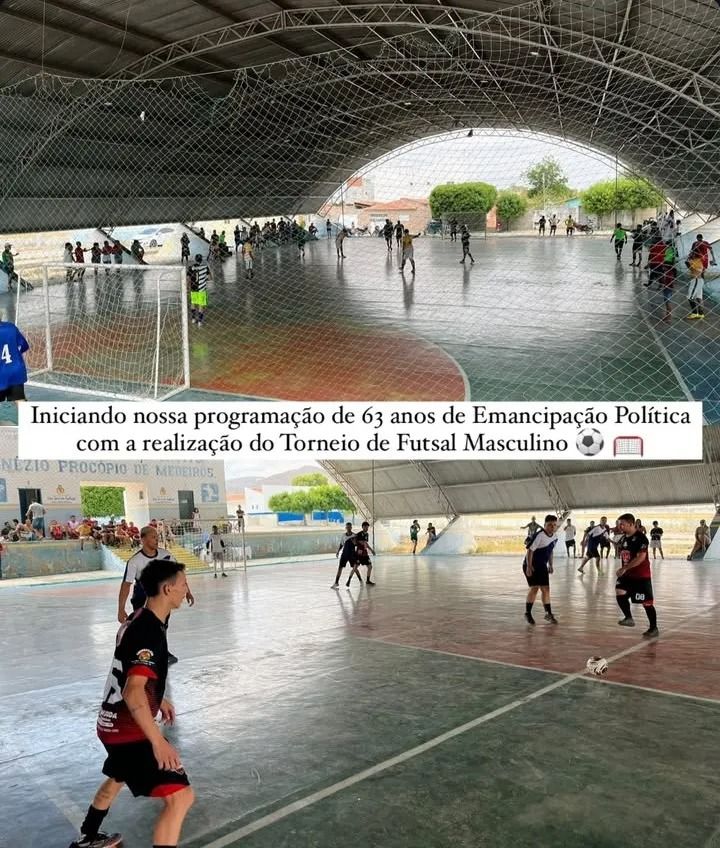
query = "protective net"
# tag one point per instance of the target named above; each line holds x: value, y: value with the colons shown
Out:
x: 105, y: 329
x: 390, y: 102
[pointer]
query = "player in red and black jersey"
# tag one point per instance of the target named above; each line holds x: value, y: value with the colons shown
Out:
x: 137, y: 752
x: 362, y: 546
x: 634, y: 583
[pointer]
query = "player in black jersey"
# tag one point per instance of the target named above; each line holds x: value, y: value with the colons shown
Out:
x: 137, y: 752
x: 362, y: 546
x: 634, y: 583
x: 348, y: 556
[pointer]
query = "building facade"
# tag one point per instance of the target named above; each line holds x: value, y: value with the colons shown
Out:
x: 157, y: 489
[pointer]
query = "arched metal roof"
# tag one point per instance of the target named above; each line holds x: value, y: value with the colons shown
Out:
x: 251, y: 108
x: 403, y: 489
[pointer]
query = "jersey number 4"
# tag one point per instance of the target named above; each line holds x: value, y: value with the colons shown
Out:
x: 5, y: 355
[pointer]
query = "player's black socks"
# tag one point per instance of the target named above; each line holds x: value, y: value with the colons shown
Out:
x: 528, y: 609
x: 652, y: 616
x: 548, y: 608
x: 93, y: 821
x: 624, y: 604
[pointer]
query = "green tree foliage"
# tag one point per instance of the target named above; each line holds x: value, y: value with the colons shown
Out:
x: 462, y: 200
x: 322, y: 498
x: 314, y: 478
x: 599, y: 199
x: 510, y: 206
x: 628, y: 194
x: 547, y: 179
x: 102, y: 500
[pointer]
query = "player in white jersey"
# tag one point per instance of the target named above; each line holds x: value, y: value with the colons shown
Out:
x: 148, y: 552
x: 216, y: 546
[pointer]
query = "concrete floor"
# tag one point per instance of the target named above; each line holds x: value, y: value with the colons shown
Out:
x: 422, y: 712
x: 533, y: 319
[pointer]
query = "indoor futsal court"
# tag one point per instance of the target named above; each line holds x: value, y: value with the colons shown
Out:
x: 532, y: 320
x: 420, y: 712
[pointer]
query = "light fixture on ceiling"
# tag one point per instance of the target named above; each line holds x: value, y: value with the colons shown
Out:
x: 534, y: 53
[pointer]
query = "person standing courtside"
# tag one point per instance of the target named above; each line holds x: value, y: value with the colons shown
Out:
x: 570, y: 533
x: 148, y: 552
x: 138, y: 755
x: 13, y: 372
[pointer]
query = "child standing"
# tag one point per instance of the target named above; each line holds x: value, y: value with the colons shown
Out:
x: 216, y: 546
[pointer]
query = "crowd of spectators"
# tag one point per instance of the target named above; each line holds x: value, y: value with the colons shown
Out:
x: 89, y: 531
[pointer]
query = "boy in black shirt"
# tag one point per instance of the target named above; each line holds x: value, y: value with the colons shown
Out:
x: 362, y: 542
x: 138, y: 753
x: 347, y: 557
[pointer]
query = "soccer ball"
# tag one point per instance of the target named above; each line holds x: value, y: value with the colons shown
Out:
x: 589, y: 441
x: 597, y: 666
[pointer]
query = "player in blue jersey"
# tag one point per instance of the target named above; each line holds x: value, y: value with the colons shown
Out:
x: 538, y: 566
x: 13, y: 373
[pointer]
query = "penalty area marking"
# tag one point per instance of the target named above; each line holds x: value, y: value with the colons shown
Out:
x: 283, y: 812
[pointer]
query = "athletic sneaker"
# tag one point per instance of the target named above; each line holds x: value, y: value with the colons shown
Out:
x: 102, y: 840
x: 551, y: 618
x: 223, y: 574
x: 335, y: 586
x: 529, y: 618
x: 651, y: 632
x: 627, y: 622
x: 370, y: 582
x: 172, y: 659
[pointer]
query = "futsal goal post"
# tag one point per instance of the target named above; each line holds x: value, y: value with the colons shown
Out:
x: 117, y: 331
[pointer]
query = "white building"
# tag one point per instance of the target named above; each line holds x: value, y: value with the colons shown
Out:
x: 157, y: 489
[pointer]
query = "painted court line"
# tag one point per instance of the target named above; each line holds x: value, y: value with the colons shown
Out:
x: 358, y: 777
x: 591, y: 677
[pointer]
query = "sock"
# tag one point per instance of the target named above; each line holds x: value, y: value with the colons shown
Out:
x: 528, y: 608
x: 624, y: 604
x: 652, y: 616
x: 93, y: 820
x: 548, y: 608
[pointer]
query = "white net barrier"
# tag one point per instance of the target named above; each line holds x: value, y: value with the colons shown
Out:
x: 107, y: 330
x: 624, y: 95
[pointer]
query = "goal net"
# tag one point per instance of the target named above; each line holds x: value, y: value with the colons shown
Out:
x: 115, y: 331
x: 628, y: 446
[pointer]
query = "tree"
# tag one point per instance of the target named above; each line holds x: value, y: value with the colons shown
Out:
x: 314, y: 478
x: 469, y: 201
x: 102, y: 500
x: 321, y: 498
x: 599, y: 199
x: 547, y: 180
x: 510, y: 206
x: 627, y: 194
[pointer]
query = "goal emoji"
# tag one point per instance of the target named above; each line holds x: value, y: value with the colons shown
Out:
x: 628, y: 446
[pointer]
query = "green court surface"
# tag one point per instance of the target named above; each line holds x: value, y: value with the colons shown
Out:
x: 419, y: 712
x: 532, y: 320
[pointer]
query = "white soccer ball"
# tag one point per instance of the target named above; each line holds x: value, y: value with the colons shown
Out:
x: 589, y: 441
x: 597, y: 665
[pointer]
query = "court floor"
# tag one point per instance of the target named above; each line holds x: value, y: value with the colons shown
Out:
x: 533, y: 320
x: 420, y: 712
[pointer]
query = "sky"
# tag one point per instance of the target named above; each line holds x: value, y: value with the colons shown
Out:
x: 499, y: 161
x: 264, y: 468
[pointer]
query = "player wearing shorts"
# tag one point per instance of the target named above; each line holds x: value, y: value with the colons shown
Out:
x: 137, y: 752
x: 414, y: 532
x: 604, y: 543
x: 634, y: 583
x: 408, y: 251
x: 348, y: 556
x: 248, y: 259
x: 134, y: 568
x: 538, y: 566
x: 13, y: 373
x: 656, y: 534
x: 198, y: 276
x: 465, y: 239
x: 570, y: 533
x: 592, y: 544
x: 362, y: 546
x: 216, y: 546
x: 387, y: 232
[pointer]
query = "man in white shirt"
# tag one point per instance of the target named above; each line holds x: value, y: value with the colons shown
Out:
x: 570, y: 533
x: 595, y: 535
x: 36, y: 514
x: 148, y: 552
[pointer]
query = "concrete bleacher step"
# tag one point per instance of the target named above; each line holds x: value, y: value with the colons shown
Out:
x: 181, y: 554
